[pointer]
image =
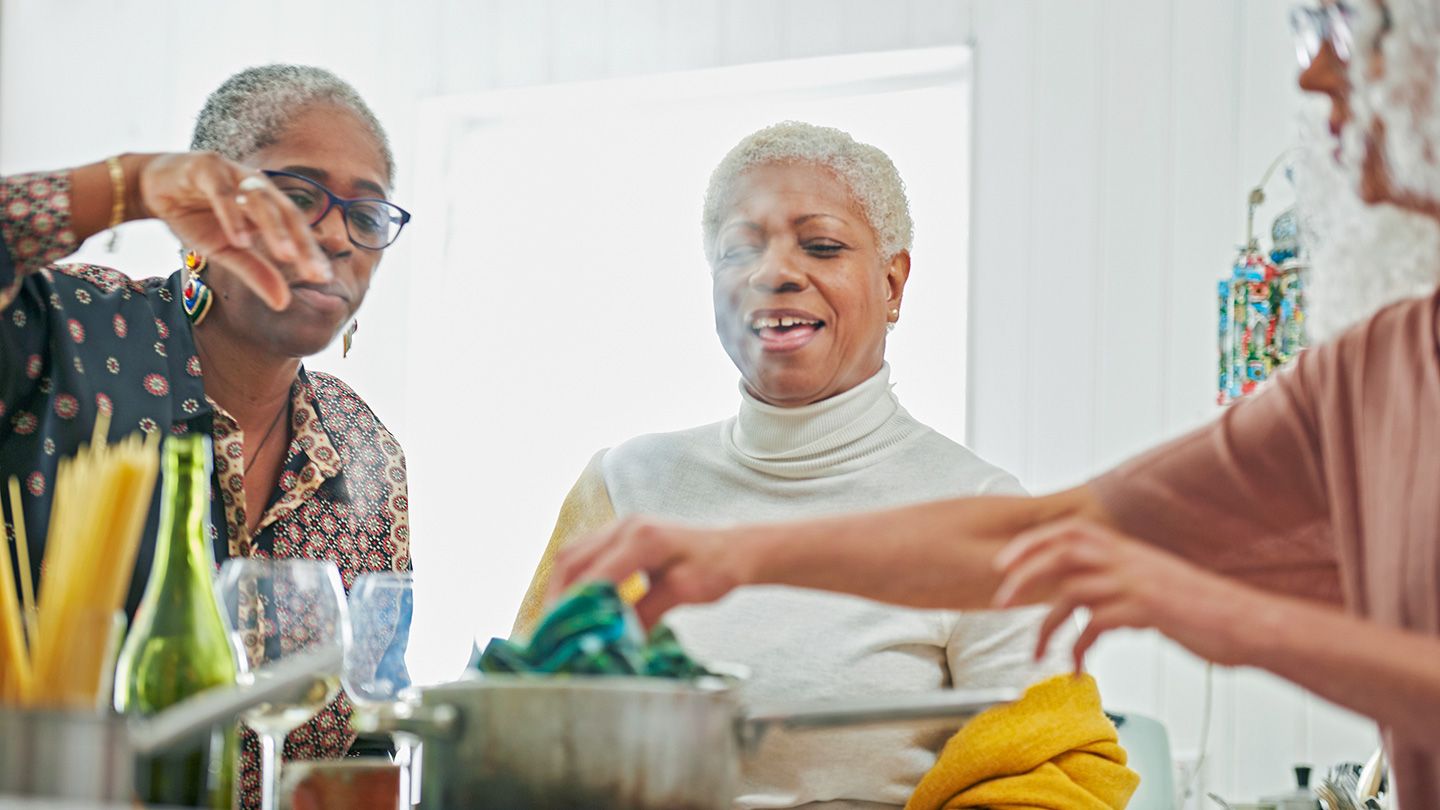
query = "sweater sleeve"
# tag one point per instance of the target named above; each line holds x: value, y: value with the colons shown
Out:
x: 585, y: 509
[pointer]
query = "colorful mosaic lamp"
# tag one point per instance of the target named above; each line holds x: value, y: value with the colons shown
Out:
x: 1262, y: 301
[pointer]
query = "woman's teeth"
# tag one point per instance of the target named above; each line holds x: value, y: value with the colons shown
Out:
x: 779, y: 323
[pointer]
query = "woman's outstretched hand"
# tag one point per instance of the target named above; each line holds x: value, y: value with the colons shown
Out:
x: 1123, y: 582
x: 234, y: 215
x: 683, y: 564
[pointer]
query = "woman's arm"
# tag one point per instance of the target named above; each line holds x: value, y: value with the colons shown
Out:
x: 1244, y: 495
x: 1385, y: 673
x: 933, y: 555
x: 226, y: 211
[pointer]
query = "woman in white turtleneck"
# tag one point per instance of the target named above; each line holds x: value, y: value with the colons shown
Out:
x: 808, y: 235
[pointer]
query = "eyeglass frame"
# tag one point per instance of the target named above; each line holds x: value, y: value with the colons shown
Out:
x: 1331, y: 22
x: 332, y: 199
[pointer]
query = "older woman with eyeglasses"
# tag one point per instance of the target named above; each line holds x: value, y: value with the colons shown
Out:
x: 1306, y: 514
x: 282, y: 211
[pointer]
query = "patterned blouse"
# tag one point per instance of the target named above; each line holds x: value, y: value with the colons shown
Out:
x: 76, y: 340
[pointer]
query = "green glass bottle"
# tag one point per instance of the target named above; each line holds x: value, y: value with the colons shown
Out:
x: 180, y: 644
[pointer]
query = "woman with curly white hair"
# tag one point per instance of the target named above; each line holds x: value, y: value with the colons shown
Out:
x: 808, y: 236
x: 1306, y: 514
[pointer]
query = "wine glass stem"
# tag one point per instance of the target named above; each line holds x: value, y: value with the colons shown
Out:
x: 270, y: 771
x: 405, y: 746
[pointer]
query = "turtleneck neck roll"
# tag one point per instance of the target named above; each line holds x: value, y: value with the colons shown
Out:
x: 836, y: 435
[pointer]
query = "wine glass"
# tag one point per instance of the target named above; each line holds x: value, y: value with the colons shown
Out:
x: 282, y: 609
x: 375, y: 676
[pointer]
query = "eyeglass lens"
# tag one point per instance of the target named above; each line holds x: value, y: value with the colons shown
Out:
x: 370, y: 224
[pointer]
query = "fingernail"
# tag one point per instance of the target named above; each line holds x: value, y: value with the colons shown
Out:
x: 243, y: 239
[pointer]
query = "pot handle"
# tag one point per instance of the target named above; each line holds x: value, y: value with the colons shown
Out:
x: 287, y: 680
x: 950, y: 704
x: 441, y: 722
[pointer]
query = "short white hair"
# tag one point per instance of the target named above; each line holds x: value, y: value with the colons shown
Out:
x: 865, y: 170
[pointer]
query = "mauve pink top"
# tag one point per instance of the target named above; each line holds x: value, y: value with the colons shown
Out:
x: 1324, y: 484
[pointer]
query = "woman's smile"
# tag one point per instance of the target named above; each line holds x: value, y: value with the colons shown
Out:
x: 784, y: 330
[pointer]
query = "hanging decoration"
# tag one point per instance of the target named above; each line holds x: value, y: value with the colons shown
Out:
x: 1262, y: 302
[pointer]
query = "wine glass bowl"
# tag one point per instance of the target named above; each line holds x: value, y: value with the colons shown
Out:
x: 375, y: 675
x: 280, y: 609
x: 381, y: 606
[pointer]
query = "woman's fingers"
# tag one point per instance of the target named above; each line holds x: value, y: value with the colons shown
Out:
x: 1103, y: 619
x: 232, y: 220
x: 258, y: 274
x: 1036, y: 540
x: 1085, y: 592
x: 267, y: 218
x: 287, y: 232
x: 578, y: 557
x: 679, y: 563
x: 1046, y: 564
x: 662, y: 596
x: 613, y: 554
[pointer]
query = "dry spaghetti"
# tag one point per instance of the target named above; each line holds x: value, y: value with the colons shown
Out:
x: 53, y: 648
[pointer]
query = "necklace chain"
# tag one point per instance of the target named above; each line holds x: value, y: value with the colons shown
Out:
x: 268, y: 433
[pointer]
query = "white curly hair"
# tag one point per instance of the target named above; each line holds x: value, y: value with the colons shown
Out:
x: 1405, y: 95
x: 864, y: 169
x: 1367, y: 256
x: 252, y: 108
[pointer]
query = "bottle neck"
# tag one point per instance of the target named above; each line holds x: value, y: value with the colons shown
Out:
x: 183, y: 541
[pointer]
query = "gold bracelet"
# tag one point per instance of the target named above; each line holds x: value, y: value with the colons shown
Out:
x: 117, y: 191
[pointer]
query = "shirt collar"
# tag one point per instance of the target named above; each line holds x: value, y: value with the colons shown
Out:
x: 309, y: 433
x: 307, y: 416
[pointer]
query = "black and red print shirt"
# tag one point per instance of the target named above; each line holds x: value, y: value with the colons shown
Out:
x: 76, y: 340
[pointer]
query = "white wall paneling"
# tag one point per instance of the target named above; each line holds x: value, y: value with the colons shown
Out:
x: 1114, y: 143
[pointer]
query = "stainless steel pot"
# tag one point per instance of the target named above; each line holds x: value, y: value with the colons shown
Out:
x: 91, y: 756
x: 615, y: 743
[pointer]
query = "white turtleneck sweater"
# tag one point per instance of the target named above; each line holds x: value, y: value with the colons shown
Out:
x: 856, y: 451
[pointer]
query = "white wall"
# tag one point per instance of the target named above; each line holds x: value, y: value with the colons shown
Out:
x: 601, y: 327
x: 1115, y: 142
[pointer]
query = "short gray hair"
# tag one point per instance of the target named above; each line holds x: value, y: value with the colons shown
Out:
x: 252, y: 108
x: 867, y: 171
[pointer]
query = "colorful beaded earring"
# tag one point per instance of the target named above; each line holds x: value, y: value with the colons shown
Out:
x: 349, y: 337
x: 196, y: 298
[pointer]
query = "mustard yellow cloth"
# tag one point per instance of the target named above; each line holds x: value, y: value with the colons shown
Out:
x: 586, y: 509
x: 1053, y: 749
